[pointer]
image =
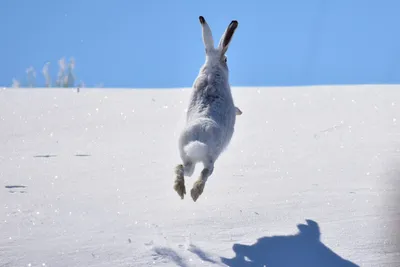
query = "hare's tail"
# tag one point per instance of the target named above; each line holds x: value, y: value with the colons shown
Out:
x: 196, y: 151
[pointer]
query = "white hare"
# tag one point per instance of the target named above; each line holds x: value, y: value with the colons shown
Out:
x: 211, y: 115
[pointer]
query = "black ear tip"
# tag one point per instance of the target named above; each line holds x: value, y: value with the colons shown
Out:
x: 202, y: 20
x: 234, y: 23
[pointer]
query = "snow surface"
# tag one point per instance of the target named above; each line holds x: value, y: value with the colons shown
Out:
x: 309, y: 179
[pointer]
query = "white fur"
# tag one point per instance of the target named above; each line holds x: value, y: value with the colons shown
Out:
x: 211, y: 114
x: 196, y: 151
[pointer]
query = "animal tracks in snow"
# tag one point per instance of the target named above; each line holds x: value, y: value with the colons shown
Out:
x: 201, y: 254
x: 53, y: 156
x: 164, y: 253
x: 329, y: 130
x: 183, y: 254
x: 180, y: 256
x: 45, y: 156
x: 16, y: 188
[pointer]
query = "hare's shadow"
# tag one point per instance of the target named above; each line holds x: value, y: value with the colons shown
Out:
x: 302, y: 249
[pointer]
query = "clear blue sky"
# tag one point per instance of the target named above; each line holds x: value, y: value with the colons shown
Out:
x: 149, y: 43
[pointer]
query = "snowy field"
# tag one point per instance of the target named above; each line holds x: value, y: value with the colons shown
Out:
x: 311, y: 178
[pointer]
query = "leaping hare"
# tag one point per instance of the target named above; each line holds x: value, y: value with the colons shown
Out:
x: 211, y: 115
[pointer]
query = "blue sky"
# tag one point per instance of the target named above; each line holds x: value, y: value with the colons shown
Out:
x: 149, y: 43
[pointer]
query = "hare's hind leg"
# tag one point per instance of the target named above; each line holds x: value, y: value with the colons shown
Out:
x: 180, y: 172
x: 198, y: 186
x: 188, y: 168
x: 179, y: 184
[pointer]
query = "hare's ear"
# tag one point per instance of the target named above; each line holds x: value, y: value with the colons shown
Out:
x: 227, y: 37
x: 207, y: 35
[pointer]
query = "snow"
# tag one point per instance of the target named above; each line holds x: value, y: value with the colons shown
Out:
x: 311, y: 178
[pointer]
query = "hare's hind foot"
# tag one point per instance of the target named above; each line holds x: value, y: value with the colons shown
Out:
x: 179, y: 187
x: 198, y: 186
x: 179, y: 184
x: 197, y: 190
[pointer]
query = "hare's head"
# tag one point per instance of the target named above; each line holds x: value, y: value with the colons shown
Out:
x: 216, y: 56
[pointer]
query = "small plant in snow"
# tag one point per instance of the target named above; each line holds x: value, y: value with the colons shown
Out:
x: 46, y: 74
x: 70, y: 77
x: 31, y: 76
x: 15, y: 83
x: 65, y: 75
x: 61, y: 72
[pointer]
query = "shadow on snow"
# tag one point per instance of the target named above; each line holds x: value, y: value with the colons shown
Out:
x: 302, y: 249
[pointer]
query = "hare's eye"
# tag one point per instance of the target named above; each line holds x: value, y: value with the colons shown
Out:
x: 225, y: 59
